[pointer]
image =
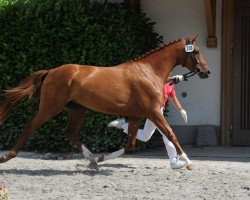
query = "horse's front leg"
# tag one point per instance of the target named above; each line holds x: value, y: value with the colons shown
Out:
x: 161, y: 123
x: 133, y: 126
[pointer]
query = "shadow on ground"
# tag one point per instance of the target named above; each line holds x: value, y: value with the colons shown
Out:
x: 101, y: 170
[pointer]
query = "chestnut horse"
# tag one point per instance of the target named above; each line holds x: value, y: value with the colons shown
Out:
x: 132, y: 89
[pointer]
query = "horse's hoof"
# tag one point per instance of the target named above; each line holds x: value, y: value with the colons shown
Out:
x: 100, y: 158
x: 190, y: 166
x: 92, y: 161
x: 93, y: 165
x: 3, y: 159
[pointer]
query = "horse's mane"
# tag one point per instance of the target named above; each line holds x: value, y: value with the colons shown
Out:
x: 155, y: 50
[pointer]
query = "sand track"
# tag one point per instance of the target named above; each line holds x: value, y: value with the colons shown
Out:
x: 221, y: 173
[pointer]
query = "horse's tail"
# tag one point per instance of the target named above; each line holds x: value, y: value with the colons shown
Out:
x: 29, y: 87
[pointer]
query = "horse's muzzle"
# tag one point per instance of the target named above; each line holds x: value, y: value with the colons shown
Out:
x: 201, y: 73
x: 204, y: 75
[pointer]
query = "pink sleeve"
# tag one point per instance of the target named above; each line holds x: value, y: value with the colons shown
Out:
x: 171, y: 91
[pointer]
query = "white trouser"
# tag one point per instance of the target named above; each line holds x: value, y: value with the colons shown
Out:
x: 146, y: 133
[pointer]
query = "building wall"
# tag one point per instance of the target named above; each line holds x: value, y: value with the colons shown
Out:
x: 177, y: 19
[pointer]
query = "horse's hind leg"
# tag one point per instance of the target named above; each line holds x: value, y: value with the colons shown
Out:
x: 76, y: 115
x: 41, y: 117
x: 133, y: 126
x: 50, y: 105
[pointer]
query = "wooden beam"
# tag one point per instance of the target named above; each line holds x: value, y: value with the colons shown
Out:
x: 210, y: 9
x: 226, y: 72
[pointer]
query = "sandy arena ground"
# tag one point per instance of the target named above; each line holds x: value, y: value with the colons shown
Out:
x: 221, y: 173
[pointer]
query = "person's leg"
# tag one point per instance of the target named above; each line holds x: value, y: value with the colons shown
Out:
x: 172, y: 154
x: 175, y: 163
x: 143, y: 134
x: 146, y: 133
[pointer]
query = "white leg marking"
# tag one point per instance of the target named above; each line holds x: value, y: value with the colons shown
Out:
x: 185, y: 158
x: 87, y: 154
x: 114, y: 154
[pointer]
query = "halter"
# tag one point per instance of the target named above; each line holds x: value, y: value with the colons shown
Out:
x: 191, y: 53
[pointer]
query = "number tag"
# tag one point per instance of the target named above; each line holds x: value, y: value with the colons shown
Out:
x: 189, y: 48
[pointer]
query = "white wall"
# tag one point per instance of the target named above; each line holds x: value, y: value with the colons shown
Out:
x: 177, y: 19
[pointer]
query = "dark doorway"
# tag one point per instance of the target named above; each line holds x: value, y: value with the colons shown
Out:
x: 241, y: 73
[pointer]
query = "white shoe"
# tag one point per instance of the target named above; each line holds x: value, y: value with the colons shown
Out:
x: 178, y: 164
x: 117, y: 123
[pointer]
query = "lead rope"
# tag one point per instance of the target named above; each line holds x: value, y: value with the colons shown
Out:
x: 188, y: 75
x: 185, y: 76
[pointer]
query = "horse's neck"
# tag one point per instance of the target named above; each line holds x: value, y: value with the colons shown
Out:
x: 163, y: 62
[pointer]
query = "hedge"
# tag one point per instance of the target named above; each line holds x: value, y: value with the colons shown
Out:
x: 44, y: 34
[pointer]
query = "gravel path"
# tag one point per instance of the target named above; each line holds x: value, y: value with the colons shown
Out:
x: 221, y: 173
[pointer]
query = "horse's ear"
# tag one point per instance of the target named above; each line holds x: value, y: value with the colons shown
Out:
x: 194, y: 38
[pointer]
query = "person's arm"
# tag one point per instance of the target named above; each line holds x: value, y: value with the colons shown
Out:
x: 178, y: 106
x: 176, y: 103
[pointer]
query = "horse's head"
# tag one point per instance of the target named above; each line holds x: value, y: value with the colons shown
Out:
x: 193, y: 59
